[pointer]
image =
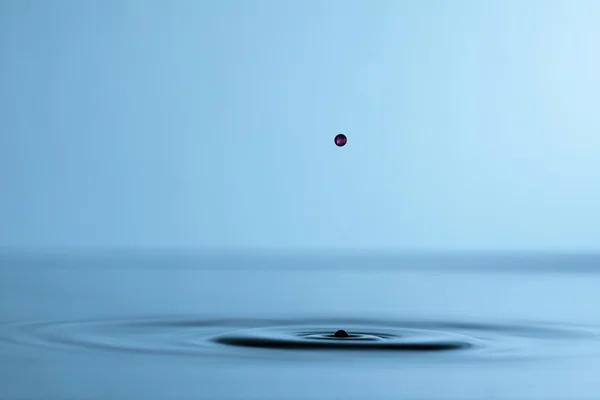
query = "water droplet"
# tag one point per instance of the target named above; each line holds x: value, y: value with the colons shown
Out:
x: 341, y: 333
x: 340, y: 140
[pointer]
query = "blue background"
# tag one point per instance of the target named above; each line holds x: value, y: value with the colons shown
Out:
x: 189, y: 124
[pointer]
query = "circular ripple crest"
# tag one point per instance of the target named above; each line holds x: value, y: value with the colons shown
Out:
x: 221, y: 337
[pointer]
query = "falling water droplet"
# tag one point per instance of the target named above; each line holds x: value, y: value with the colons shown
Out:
x: 341, y: 333
x: 340, y: 140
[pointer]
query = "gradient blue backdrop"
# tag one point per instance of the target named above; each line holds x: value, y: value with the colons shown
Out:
x: 196, y: 124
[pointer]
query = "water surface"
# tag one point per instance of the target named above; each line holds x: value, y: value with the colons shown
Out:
x: 158, y: 326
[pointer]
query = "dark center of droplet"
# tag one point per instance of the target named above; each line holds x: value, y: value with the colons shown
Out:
x: 341, y: 333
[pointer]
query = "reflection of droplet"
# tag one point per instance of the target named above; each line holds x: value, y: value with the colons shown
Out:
x: 341, y: 139
x: 341, y: 333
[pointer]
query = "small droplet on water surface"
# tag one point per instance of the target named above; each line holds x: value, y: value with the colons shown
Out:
x: 340, y: 140
x: 341, y: 333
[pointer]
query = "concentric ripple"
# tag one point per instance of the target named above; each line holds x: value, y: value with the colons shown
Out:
x: 255, y: 337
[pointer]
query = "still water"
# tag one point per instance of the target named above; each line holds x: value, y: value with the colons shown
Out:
x: 188, y: 326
